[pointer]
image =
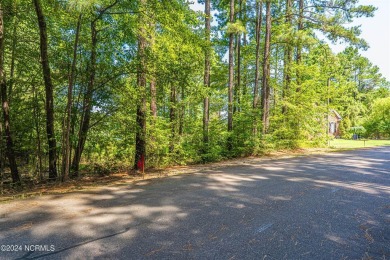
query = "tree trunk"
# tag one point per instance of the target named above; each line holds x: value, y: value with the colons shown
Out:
x: 153, y: 98
x: 68, y: 115
x: 206, y: 113
x: 88, y: 97
x: 152, y: 72
x: 287, y: 58
x: 182, y: 111
x: 237, y: 86
x: 13, y: 53
x: 140, y: 142
x: 76, y: 104
x: 231, y: 76
x: 38, y: 133
x: 172, y: 117
x: 87, y: 104
x: 244, y: 43
x: 2, y: 155
x: 259, y: 18
x: 9, y: 150
x: 299, y: 46
x: 237, y: 91
x: 276, y: 77
x: 265, y: 91
x: 48, y: 90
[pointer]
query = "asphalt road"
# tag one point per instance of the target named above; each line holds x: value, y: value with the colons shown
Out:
x: 334, y: 206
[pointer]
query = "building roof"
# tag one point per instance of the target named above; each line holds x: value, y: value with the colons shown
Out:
x: 337, y: 114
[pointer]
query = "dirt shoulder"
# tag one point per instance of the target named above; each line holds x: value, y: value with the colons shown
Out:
x: 125, y: 178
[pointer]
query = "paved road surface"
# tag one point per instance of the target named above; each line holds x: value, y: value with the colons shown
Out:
x: 334, y: 206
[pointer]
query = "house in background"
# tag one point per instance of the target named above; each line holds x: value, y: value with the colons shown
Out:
x: 334, y: 120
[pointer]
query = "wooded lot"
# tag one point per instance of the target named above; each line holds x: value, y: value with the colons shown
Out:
x: 152, y: 83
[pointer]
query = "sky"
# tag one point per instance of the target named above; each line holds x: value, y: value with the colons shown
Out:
x: 375, y: 30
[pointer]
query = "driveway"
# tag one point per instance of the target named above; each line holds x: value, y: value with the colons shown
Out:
x: 334, y: 206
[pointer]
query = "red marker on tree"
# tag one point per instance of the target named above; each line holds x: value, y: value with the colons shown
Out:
x: 141, y: 163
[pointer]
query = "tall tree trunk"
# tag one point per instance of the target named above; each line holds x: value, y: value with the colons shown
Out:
x: 38, y: 133
x: 276, y: 77
x: 153, y: 98
x: 172, y: 117
x: 244, y: 44
x: 87, y: 103
x: 140, y: 142
x: 48, y: 91
x: 2, y: 155
x: 13, y: 52
x: 287, y: 57
x: 237, y: 90
x: 206, y: 81
x: 265, y: 91
x: 88, y: 97
x: 9, y: 150
x: 299, y: 46
x: 231, y: 76
x: 152, y: 73
x: 237, y: 86
x: 68, y: 113
x: 182, y: 111
x: 259, y: 18
x: 76, y: 104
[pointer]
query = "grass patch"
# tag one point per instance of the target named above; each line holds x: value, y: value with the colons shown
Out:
x: 343, y: 143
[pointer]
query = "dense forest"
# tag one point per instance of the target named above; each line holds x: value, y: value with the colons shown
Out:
x: 120, y: 83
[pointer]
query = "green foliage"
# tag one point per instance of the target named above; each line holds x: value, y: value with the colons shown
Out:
x: 235, y: 28
x: 344, y: 128
x: 359, y: 130
x: 378, y: 122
